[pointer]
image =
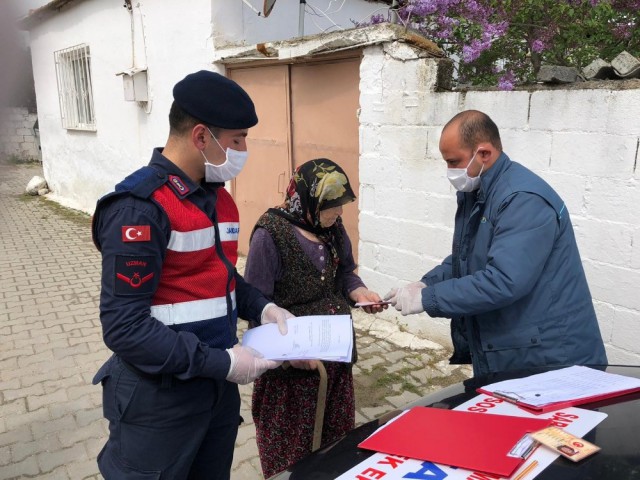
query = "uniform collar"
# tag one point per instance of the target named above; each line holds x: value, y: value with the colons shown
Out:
x: 176, y: 178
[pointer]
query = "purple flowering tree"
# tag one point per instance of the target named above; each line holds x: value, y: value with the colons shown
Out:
x: 504, y: 43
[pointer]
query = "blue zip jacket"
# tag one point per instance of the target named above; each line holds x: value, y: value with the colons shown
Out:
x: 514, y: 285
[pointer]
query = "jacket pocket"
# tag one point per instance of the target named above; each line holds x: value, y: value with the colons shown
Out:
x: 510, y: 338
x: 113, y: 467
x: 510, y: 348
x: 118, y: 388
x: 103, y: 372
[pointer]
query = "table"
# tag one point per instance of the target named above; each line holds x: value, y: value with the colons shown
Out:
x: 618, y: 436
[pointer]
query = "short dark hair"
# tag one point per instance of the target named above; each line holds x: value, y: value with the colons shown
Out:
x: 476, y: 127
x: 180, y: 121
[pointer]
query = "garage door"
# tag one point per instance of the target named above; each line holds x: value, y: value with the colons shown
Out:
x: 306, y: 111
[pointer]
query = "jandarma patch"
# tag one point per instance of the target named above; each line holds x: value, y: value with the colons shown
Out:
x: 134, y: 275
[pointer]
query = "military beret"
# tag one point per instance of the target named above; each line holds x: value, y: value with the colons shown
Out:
x: 215, y: 100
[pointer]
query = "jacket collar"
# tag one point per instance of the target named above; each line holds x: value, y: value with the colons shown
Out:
x: 487, y: 180
x: 177, y: 179
x: 491, y: 176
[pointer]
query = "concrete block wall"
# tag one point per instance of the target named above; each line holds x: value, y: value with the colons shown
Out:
x: 584, y: 142
x: 17, y: 136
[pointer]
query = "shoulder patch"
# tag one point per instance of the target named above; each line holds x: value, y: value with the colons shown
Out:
x: 134, y: 275
x: 141, y: 175
x: 142, y: 182
x: 178, y: 185
x: 136, y: 233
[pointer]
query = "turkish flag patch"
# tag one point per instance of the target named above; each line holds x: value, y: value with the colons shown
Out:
x: 136, y: 233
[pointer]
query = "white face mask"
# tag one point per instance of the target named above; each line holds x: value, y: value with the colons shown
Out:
x: 461, y: 180
x: 229, y: 170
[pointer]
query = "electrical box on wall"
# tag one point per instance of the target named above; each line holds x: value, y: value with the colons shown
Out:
x: 134, y: 82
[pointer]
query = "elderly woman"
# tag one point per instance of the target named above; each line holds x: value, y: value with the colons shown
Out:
x: 300, y: 256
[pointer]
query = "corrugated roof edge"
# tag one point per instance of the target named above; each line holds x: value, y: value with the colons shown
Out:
x: 327, y: 43
x: 44, y: 12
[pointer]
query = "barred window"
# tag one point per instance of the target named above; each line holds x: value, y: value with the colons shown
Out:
x: 73, y: 71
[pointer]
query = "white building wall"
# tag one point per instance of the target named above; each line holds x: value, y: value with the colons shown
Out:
x: 171, y: 39
x: 236, y: 23
x: 583, y: 142
x: 80, y: 166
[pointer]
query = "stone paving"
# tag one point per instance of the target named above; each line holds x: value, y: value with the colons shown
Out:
x: 51, y: 424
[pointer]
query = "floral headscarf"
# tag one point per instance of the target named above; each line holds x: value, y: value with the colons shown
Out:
x: 317, y: 185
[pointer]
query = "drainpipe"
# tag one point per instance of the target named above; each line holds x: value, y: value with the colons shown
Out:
x: 303, y: 4
x: 394, y: 12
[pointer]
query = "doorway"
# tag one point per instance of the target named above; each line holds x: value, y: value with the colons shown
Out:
x: 306, y: 111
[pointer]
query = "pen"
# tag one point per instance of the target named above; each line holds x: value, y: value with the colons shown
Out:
x: 528, y: 469
x: 504, y: 396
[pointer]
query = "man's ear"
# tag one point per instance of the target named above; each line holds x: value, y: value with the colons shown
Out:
x: 199, y: 136
x: 485, y: 151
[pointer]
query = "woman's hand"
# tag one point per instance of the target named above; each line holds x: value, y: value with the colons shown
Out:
x: 304, y: 364
x: 363, y: 294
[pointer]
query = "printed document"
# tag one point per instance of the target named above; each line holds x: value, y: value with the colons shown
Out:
x: 322, y: 337
x: 571, y: 383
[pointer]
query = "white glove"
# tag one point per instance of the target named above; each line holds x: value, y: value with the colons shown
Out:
x: 408, y: 299
x: 247, y: 364
x: 271, y: 313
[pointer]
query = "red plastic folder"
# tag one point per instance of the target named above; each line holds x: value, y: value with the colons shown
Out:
x: 473, y: 441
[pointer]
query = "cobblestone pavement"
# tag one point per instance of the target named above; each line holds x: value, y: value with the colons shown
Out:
x: 51, y: 424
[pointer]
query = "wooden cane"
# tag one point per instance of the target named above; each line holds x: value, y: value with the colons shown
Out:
x: 320, y: 407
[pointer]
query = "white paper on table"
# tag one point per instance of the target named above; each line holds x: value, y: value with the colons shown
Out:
x: 323, y: 337
x: 561, y: 385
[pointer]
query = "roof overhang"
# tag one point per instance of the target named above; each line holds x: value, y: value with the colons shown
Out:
x: 40, y: 14
x: 325, y: 43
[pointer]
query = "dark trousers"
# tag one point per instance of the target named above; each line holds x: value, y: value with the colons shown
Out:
x: 167, y: 429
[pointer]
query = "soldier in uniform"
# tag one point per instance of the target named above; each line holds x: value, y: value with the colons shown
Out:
x: 171, y: 295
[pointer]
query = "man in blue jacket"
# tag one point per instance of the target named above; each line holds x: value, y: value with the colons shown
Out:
x: 514, y: 286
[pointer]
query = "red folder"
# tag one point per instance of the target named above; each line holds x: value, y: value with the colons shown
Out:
x: 473, y: 441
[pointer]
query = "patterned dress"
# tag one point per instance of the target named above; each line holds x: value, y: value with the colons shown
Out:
x: 285, y: 399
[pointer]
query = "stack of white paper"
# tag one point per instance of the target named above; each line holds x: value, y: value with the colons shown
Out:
x: 323, y: 337
x: 566, y: 384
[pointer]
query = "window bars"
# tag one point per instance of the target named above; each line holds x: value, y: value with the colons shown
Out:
x: 73, y: 72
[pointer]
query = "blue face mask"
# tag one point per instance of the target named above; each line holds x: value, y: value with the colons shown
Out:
x: 230, y: 169
x: 460, y: 179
